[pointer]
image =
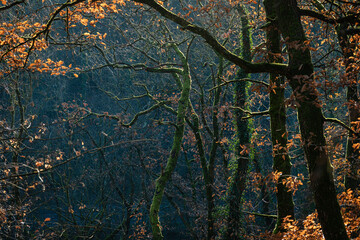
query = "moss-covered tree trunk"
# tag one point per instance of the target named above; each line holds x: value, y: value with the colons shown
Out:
x: 352, y: 179
x: 282, y: 161
x: 242, y: 145
x: 311, y: 119
x: 175, y: 150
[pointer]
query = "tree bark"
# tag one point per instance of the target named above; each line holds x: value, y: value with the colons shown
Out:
x: 352, y: 179
x: 208, y: 166
x: 282, y: 161
x: 310, y: 118
x: 242, y: 145
x: 175, y: 150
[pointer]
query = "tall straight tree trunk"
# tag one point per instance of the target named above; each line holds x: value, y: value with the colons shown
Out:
x: 282, y: 161
x: 175, y: 150
x: 242, y: 145
x: 311, y: 119
x: 352, y: 179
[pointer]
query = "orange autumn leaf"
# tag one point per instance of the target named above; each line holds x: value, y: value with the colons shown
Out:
x: 39, y: 164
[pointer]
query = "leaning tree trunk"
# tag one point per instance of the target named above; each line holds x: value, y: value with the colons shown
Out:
x: 242, y: 155
x: 282, y: 161
x: 175, y: 150
x: 311, y: 119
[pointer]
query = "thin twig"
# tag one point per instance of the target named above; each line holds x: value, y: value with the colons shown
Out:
x: 239, y: 80
x: 38, y: 171
x: 337, y: 121
x: 260, y: 214
x: 251, y: 114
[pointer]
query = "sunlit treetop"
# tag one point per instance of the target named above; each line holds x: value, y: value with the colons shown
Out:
x: 19, y: 39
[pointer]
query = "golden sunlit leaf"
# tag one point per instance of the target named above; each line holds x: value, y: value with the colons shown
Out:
x: 39, y: 164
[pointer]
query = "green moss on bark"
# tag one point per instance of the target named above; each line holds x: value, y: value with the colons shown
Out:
x: 243, y: 130
x: 175, y: 150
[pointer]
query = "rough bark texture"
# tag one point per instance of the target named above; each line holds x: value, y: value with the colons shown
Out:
x: 282, y: 161
x: 242, y: 145
x: 352, y: 179
x: 175, y: 150
x: 311, y: 119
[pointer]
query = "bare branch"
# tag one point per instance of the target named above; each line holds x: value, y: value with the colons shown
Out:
x: 337, y: 121
x: 91, y: 151
x: 251, y: 114
x: 239, y: 80
x: 219, y: 48
x: 119, y: 119
x: 260, y: 214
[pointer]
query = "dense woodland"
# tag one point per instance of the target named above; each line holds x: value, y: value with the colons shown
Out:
x: 189, y: 119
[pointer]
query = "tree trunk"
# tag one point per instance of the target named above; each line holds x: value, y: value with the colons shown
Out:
x: 242, y: 145
x: 352, y: 179
x: 208, y: 166
x: 175, y: 150
x: 282, y: 161
x: 208, y: 179
x: 311, y: 119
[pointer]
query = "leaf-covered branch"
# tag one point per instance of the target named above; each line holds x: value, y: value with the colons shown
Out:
x: 348, y: 19
x: 45, y: 30
x: 10, y: 5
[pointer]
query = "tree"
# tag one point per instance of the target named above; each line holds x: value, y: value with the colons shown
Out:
x: 70, y: 28
x: 300, y: 75
x: 282, y: 161
x: 243, y: 135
